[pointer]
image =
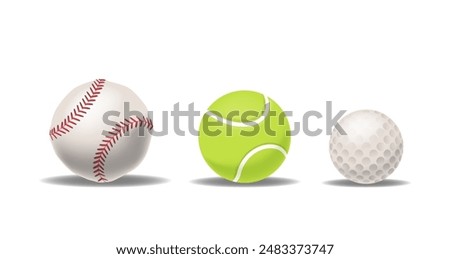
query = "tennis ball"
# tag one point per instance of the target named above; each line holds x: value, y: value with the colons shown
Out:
x: 244, y: 137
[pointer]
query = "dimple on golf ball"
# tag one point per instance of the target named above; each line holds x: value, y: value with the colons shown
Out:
x: 370, y: 150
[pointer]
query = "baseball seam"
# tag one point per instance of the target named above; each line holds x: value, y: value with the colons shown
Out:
x: 79, y: 111
x: 119, y: 130
x: 244, y: 124
x: 252, y: 153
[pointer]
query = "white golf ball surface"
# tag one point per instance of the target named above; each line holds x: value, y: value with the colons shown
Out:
x: 371, y: 150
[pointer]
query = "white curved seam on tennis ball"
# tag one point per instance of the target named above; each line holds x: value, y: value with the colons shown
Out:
x: 244, y: 124
x: 253, y: 152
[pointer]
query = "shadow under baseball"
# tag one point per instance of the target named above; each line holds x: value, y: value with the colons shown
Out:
x: 269, y: 182
x: 125, y: 181
x: 348, y: 183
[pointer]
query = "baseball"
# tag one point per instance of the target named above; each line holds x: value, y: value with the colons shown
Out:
x: 101, y: 131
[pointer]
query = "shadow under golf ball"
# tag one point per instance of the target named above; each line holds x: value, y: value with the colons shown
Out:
x: 268, y: 182
x: 125, y: 181
x: 348, y: 183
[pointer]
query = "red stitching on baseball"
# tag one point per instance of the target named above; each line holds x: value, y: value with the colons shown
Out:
x: 79, y: 111
x: 98, y: 168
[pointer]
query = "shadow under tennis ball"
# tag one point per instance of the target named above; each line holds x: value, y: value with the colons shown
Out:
x: 269, y: 182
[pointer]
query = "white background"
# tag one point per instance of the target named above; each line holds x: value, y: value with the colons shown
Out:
x: 392, y: 56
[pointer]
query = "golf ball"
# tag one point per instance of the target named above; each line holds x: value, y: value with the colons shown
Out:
x: 370, y: 148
